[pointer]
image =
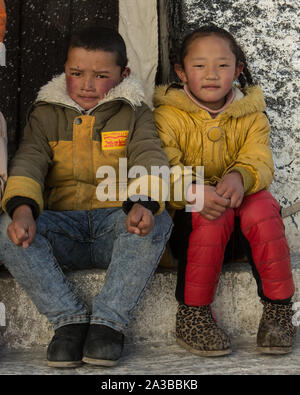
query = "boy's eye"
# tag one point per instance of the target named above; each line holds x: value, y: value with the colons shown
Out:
x: 101, y: 76
x: 75, y: 73
x: 199, y: 66
x: 224, y: 65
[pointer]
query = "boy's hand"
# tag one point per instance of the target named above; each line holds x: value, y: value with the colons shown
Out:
x: 214, y: 205
x: 231, y: 187
x: 140, y: 220
x: 22, y: 229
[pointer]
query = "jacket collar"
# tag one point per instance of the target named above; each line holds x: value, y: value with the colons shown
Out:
x: 244, y: 104
x: 55, y: 91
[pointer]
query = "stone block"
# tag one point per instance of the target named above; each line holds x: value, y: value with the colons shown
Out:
x: 237, y: 306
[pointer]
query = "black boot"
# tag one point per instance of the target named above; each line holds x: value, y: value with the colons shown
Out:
x: 103, y: 346
x: 65, y: 348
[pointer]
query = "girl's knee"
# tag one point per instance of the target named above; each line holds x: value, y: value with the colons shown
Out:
x: 209, y: 232
x: 226, y: 219
x: 258, y: 207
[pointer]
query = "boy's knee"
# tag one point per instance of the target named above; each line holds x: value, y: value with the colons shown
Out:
x: 163, y: 220
x: 163, y: 226
x: 5, y: 220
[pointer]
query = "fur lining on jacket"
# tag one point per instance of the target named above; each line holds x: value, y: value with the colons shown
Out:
x: 250, y: 102
x: 56, y: 92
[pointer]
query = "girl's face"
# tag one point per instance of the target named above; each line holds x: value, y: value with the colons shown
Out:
x: 90, y: 75
x: 209, y: 70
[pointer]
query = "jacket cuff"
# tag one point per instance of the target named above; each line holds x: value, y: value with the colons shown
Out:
x: 146, y: 202
x: 17, y: 201
x: 248, y: 178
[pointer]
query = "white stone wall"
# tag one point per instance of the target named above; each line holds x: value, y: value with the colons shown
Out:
x: 268, y: 31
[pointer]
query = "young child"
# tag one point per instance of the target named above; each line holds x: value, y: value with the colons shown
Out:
x: 83, y: 121
x: 209, y: 121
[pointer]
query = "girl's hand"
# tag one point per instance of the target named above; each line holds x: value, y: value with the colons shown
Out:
x: 140, y: 220
x: 214, y: 204
x: 231, y: 187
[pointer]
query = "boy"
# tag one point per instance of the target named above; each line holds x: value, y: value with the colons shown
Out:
x: 84, y: 120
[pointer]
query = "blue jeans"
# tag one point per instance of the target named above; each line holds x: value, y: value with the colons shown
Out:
x: 82, y: 240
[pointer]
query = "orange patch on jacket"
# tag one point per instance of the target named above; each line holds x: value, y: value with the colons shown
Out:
x: 114, y: 140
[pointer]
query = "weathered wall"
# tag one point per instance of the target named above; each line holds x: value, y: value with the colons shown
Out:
x: 268, y: 31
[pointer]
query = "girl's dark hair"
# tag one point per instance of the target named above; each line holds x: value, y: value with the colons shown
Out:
x: 95, y: 38
x: 245, y: 77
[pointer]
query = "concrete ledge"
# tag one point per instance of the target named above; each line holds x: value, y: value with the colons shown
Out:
x: 236, y: 306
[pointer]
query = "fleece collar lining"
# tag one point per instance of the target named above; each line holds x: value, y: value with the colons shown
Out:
x: 55, y: 91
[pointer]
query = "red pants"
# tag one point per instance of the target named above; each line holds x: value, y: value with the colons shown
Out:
x: 262, y: 226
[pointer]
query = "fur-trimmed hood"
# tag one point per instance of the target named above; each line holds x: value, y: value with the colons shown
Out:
x: 55, y: 91
x: 250, y: 102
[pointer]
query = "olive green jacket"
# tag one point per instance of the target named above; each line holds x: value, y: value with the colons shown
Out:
x: 61, y: 159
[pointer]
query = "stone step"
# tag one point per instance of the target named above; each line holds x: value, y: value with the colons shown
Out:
x: 237, y: 307
x: 155, y: 360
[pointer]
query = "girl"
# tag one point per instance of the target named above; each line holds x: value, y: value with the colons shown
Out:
x: 209, y: 121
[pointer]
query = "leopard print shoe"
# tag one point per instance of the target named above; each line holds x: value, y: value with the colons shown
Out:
x: 276, y: 332
x: 197, y: 332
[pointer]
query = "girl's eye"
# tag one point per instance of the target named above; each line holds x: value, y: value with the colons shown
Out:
x: 76, y: 73
x: 199, y: 66
x: 224, y: 65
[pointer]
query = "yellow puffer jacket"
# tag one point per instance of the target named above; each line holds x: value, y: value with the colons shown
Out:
x: 237, y: 139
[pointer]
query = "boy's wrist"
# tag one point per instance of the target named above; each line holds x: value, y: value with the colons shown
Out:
x: 22, y: 210
x: 144, y: 201
x: 18, y: 201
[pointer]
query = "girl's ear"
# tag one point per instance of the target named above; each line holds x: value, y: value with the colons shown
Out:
x: 180, y: 72
x: 239, y: 68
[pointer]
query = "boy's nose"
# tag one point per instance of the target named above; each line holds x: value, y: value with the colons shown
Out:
x: 88, y: 83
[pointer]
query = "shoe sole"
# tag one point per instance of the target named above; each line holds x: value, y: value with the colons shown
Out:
x: 274, y: 350
x: 203, y: 353
x: 64, y: 364
x: 99, y: 362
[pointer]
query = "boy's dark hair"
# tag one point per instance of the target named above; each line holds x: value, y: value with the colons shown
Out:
x: 95, y: 38
x: 245, y: 77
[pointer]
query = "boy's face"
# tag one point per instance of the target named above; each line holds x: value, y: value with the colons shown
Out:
x: 90, y: 75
